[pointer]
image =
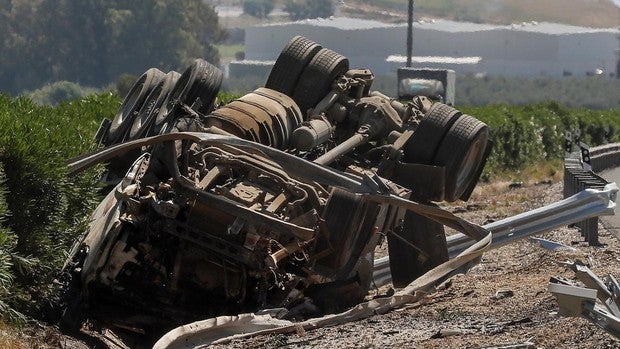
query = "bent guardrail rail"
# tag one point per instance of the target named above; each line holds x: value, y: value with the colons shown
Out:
x: 589, y: 203
x: 605, y: 157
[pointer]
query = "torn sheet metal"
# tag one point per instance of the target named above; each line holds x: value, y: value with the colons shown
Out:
x: 222, y: 330
x: 595, y: 301
x: 581, y: 301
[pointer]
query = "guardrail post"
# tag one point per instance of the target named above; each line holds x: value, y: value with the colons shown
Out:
x: 579, y: 174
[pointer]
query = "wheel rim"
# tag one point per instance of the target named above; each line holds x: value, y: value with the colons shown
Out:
x: 470, y: 164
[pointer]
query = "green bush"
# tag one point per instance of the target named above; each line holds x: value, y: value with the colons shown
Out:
x: 60, y: 91
x: 11, y: 264
x: 46, y: 207
x: 258, y: 8
x: 525, y: 135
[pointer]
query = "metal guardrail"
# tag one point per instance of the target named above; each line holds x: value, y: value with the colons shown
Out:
x: 605, y: 157
x: 581, y: 206
x: 580, y: 169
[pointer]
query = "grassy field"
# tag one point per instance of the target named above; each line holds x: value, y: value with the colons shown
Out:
x: 228, y: 52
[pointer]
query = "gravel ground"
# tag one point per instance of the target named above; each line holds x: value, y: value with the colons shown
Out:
x: 465, y: 313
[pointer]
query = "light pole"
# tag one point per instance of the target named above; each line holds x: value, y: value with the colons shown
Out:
x: 409, y: 33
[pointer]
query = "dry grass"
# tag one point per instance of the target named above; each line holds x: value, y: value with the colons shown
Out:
x: 589, y: 13
x: 9, y: 338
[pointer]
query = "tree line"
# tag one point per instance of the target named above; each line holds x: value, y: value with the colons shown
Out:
x: 92, y: 42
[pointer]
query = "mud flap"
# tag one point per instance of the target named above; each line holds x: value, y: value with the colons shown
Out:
x: 416, y: 246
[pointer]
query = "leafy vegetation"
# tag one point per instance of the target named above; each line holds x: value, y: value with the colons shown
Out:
x: 258, y: 8
x: 300, y: 9
x: 530, y: 134
x: 91, y: 42
x: 41, y: 209
x: 60, y: 91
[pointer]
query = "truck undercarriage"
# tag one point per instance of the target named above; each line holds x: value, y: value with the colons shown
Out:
x: 275, y: 200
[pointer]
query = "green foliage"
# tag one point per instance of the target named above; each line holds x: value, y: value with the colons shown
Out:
x: 258, y: 8
x: 230, y: 51
x: 91, y: 42
x: 526, y: 135
x: 11, y: 264
x: 225, y: 97
x: 46, y: 207
x: 52, y: 94
x: 301, y: 9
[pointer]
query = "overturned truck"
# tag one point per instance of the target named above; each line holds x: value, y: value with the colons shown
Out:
x: 274, y: 200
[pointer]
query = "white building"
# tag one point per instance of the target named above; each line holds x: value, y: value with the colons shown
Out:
x: 527, y: 49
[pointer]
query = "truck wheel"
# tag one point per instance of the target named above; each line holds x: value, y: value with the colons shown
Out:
x: 406, y: 262
x: 201, y: 80
x: 427, y: 137
x: 290, y: 64
x: 131, y: 104
x: 316, y: 79
x: 462, y: 152
x: 151, y: 105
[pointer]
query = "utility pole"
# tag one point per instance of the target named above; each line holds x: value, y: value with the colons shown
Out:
x: 618, y: 56
x: 410, y: 33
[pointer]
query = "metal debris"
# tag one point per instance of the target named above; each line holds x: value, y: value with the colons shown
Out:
x: 596, y: 301
x: 551, y: 245
x: 503, y: 293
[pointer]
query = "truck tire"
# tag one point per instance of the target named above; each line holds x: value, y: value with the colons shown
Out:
x: 290, y: 64
x: 151, y: 105
x: 201, y: 80
x: 425, y: 141
x: 406, y: 262
x: 131, y: 105
x: 316, y: 79
x: 462, y: 152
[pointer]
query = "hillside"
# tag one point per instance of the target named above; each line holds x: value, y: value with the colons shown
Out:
x: 589, y: 13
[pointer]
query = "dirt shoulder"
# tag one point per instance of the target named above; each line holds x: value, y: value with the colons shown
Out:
x: 467, y: 313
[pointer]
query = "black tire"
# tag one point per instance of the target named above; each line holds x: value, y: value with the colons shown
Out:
x: 462, y: 152
x: 316, y: 79
x: 131, y: 105
x: 425, y: 141
x: 200, y: 80
x: 290, y: 64
x: 406, y: 262
x: 150, y: 107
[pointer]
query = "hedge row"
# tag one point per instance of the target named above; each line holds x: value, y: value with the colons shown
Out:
x: 42, y: 209
x: 525, y: 135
